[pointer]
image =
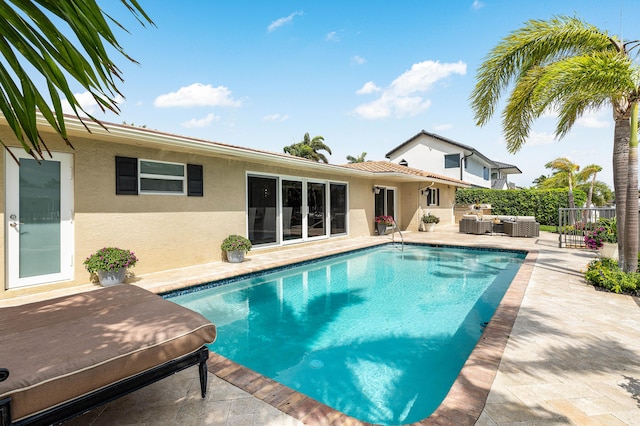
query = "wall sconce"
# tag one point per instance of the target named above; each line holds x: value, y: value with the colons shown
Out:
x: 376, y: 190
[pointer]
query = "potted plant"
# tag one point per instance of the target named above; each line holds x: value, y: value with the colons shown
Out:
x: 382, y: 222
x: 235, y: 246
x: 429, y: 221
x: 110, y: 264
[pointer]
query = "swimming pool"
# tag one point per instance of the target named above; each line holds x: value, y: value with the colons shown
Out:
x: 378, y: 334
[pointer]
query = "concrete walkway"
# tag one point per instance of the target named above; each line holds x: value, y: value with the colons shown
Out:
x: 573, y: 356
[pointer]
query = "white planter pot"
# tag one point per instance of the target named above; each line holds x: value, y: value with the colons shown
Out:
x: 235, y: 256
x: 429, y: 227
x: 609, y: 250
x: 108, y: 278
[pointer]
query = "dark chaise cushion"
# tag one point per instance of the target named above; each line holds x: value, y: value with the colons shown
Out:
x: 59, y: 349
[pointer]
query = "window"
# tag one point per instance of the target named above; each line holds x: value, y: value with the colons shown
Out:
x: 486, y: 173
x: 433, y: 196
x: 136, y: 176
x: 161, y: 178
x: 452, y: 161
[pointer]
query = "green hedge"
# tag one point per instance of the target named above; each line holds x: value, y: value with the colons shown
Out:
x: 541, y: 203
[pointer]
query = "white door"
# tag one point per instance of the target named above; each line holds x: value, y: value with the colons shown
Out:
x: 39, y: 219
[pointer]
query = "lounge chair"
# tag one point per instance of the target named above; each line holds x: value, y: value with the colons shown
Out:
x: 63, y: 357
x: 523, y: 226
x: 471, y: 224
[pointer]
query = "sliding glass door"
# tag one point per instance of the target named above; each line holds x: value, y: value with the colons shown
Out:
x: 285, y: 210
x: 317, y: 211
x: 292, y: 210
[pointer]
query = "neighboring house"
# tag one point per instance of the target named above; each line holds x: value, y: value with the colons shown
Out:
x: 429, y: 151
x: 173, y: 199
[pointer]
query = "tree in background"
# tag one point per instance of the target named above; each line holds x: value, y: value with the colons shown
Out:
x: 359, y: 159
x: 569, y: 67
x: 565, y: 171
x: 29, y: 36
x: 589, y: 173
x: 309, y: 148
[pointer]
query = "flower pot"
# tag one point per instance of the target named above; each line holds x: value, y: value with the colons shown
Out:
x: 609, y: 250
x: 235, y: 256
x: 114, y: 277
x: 382, y: 228
x: 429, y: 227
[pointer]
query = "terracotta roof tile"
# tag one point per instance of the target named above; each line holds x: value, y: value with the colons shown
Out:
x: 389, y: 167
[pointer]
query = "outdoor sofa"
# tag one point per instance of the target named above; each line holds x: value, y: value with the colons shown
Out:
x: 62, y: 357
x: 513, y: 226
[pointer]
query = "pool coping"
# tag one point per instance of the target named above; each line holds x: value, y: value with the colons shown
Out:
x: 463, y: 404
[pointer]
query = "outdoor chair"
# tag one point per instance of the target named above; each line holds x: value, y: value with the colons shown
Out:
x: 473, y: 225
x: 523, y: 226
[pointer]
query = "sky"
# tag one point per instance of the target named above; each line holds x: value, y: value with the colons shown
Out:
x: 365, y: 75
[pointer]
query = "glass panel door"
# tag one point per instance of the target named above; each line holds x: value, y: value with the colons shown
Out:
x: 261, y: 203
x: 291, y: 210
x: 338, y: 202
x: 316, y: 202
x: 39, y: 220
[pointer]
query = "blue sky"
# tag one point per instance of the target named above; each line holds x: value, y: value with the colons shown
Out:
x: 366, y: 76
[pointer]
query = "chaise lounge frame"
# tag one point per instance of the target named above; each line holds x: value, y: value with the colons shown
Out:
x: 105, y: 395
x: 108, y: 343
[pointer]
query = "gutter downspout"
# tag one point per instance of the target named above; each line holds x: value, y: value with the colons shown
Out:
x: 461, y: 162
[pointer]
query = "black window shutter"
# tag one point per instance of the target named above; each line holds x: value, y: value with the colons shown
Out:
x: 126, y: 176
x: 195, y: 181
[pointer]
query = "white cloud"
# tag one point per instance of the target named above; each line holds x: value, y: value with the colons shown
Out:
x: 197, y: 95
x: 441, y: 127
x: 86, y: 101
x: 332, y: 36
x: 282, y: 21
x: 200, y: 122
x: 540, y: 138
x: 477, y: 4
x: 594, y: 120
x: 275, y: 117
x: 368, y: 88
x: 403, y: 97
x: 359, y: 60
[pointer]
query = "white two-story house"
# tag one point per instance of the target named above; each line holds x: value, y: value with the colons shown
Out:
x: 437, y: 154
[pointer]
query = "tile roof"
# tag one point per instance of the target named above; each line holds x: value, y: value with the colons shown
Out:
x: 383, y: 167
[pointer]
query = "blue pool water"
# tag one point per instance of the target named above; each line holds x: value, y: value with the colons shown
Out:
x: 379, y: 334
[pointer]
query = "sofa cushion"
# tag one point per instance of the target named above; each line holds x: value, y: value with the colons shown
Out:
x: 526, y: 218
x: 60, y: 349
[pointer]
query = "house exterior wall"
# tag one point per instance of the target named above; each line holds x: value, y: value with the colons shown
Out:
x: 427, y: 153
x: 174, y: 231
x: 165, y: 231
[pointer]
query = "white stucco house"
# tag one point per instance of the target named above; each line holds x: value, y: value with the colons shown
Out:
x: 429, y: 151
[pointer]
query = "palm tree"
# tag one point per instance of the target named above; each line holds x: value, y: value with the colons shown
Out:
x: 570, y: 67
x: 589, y: 172
x: 309, y: 148
x: 359, y: 159
x: 565, y: 171
x: 28, y: 36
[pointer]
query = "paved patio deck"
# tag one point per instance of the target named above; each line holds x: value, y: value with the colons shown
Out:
x: 572, y: 355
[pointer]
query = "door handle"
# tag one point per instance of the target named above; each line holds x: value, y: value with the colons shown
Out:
x: 14, y: 224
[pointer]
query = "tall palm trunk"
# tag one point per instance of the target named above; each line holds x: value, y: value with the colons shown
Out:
x: 631, y: 217
x: 621, y: 137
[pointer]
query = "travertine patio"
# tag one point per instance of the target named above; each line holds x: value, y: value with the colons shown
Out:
x: 572, y: 356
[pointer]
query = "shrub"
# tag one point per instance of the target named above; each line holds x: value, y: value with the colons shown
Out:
x: 595, y: 239
x: 605, y: 273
